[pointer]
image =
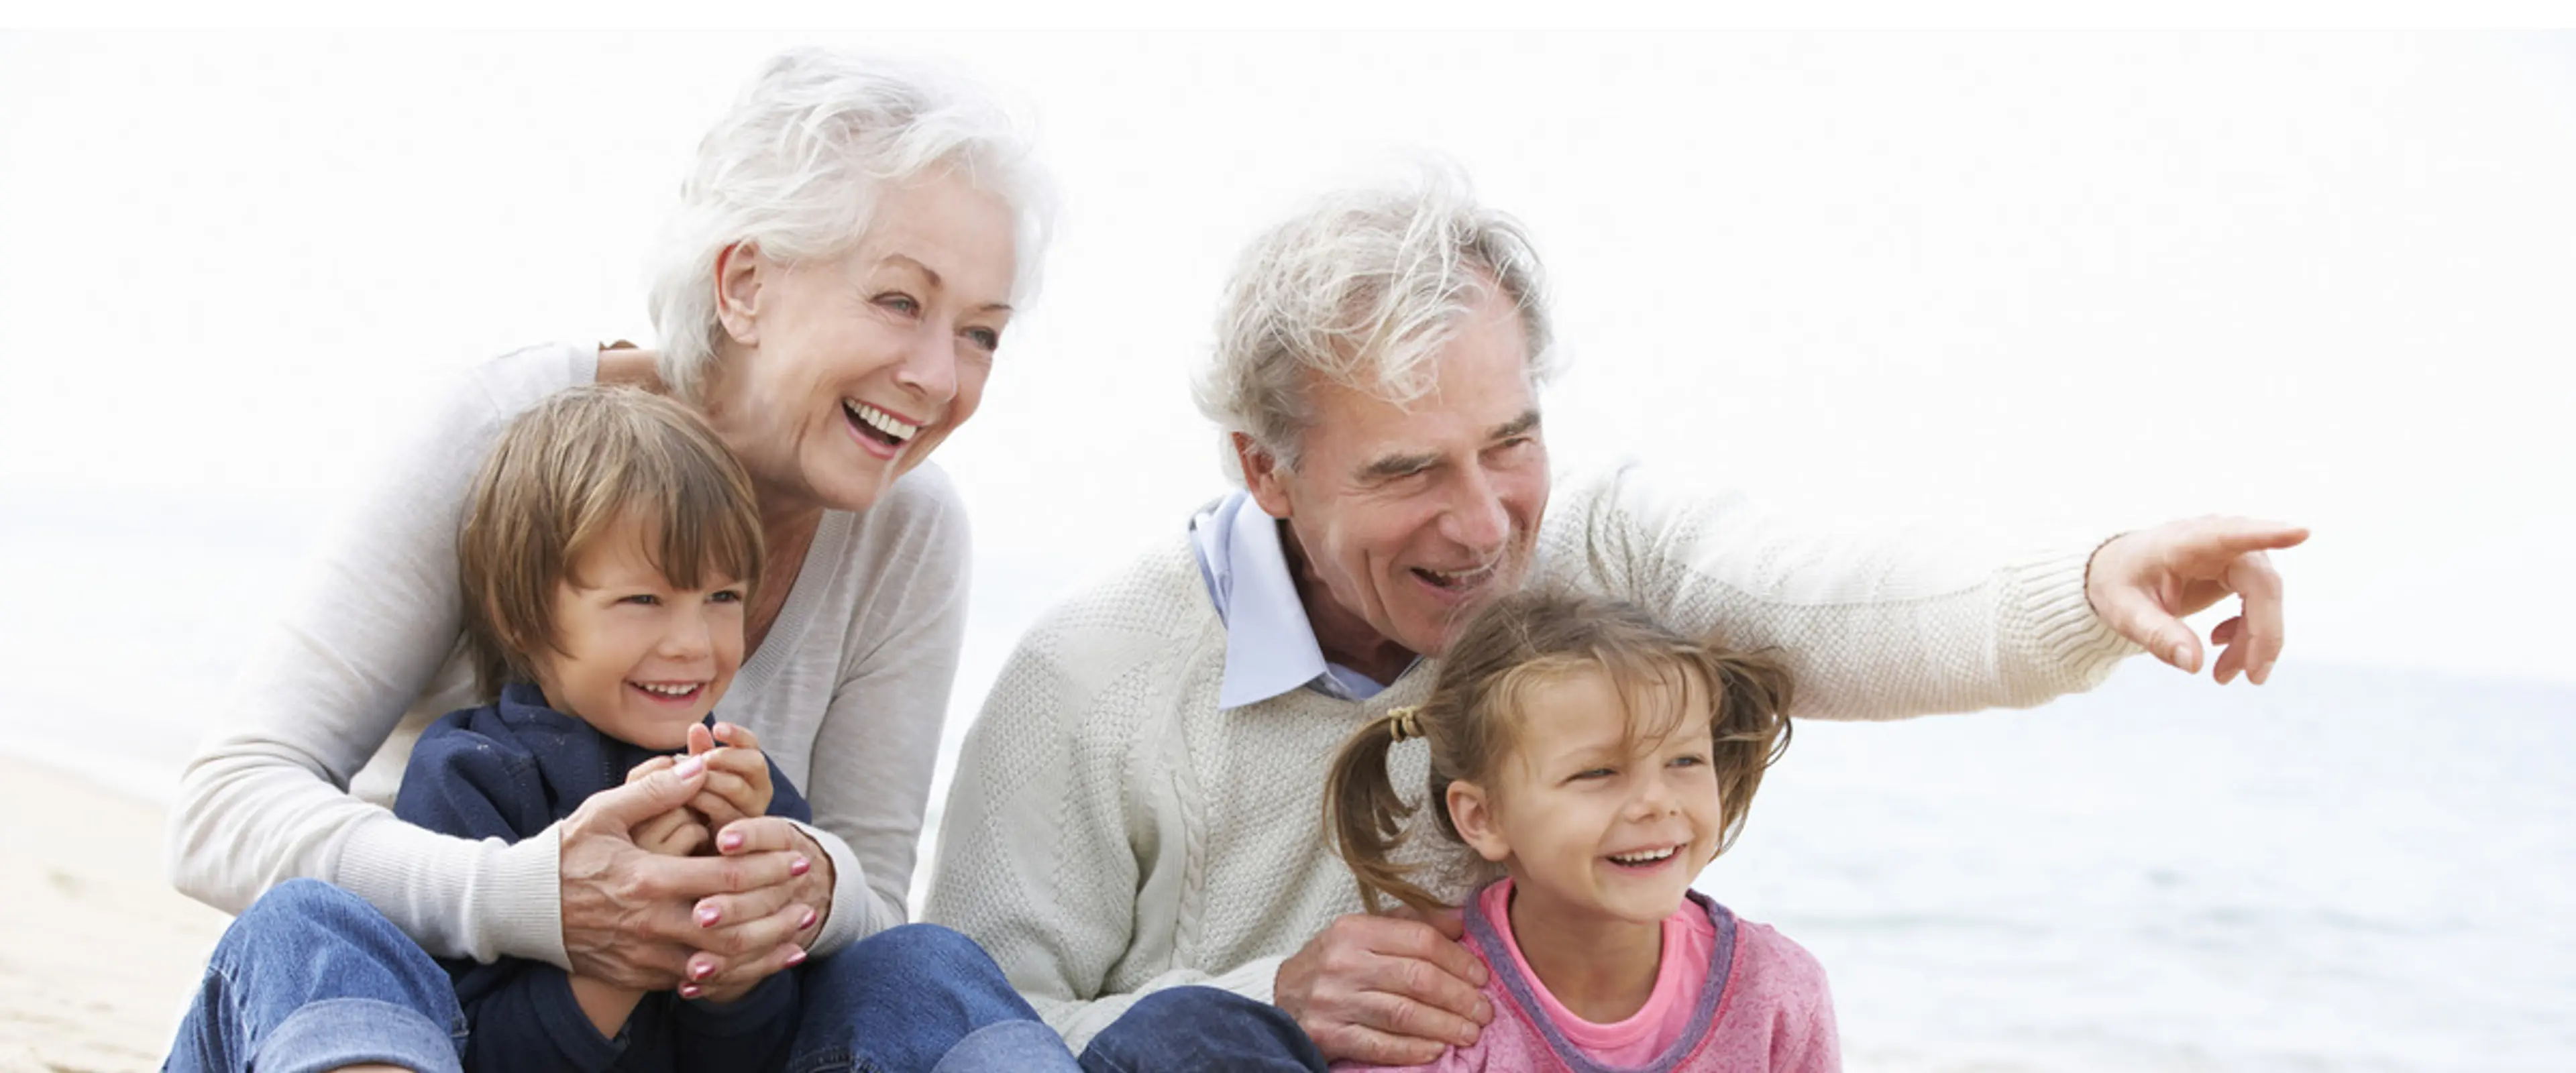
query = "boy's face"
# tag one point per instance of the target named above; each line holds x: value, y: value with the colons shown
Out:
x: 1589, y: 828
x: 640, y: 658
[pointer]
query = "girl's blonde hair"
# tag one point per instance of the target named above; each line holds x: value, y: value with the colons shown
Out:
x: 574, y: 467
x: 1522, y: 640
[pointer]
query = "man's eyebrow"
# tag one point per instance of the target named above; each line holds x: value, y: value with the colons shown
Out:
x: 932, y: 274
x: 1518, y: 426
x: 1399, y: 465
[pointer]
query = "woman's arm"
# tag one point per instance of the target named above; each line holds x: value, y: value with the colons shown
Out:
x: 369, y: 624
x: 869, y: 776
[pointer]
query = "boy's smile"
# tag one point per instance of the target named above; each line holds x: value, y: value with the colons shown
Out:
x: 636, y: 656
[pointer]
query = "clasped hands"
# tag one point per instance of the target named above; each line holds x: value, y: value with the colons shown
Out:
x: 680, y: 881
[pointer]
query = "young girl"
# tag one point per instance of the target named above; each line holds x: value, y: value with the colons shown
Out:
x: 610, y: 546
x: 1601, y: 761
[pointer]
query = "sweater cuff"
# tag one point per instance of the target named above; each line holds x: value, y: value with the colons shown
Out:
x: 853, y: 915
x: 1253, y: 979
x: 2057, y: 622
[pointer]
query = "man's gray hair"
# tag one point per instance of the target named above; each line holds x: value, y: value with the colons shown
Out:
x: 1361, y: 288
x: 795, y: 169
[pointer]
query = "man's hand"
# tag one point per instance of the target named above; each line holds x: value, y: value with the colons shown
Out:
x: 1386, y: 990
x: 2143, y: 583
x: 633, y: 919
x: 737, y: 774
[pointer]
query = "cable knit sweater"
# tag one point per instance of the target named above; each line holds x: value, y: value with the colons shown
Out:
x: 1112, y: 831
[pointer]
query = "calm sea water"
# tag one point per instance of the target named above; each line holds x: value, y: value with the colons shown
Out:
x: 2352, y: 868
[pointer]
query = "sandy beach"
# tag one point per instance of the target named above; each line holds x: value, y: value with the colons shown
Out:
x: 98, y: 956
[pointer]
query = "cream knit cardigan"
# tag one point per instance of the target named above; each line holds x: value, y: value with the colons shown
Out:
x: 1112, y: 832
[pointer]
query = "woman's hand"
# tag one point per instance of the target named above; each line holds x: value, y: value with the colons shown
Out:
x: 677, y: 833
x: 737, y: 774
x: 751, y: 934
x: 639, y: 920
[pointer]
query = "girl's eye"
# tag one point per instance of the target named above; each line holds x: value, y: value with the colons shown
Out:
x: 726, y: 596
x: 641, y: 599
x: 1595, y: 773
x: 900, y: 303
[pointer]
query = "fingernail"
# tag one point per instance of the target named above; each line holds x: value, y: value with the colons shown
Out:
x: 805, y: 923
x: 796, y: 957
x: 799, y: 866
x: 701, y: 970
x: 707, y: 916
x: 730, y: 840
x: 689, y: 768
x: 691, y: 991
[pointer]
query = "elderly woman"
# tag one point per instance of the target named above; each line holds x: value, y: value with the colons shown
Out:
x: 841, y: 270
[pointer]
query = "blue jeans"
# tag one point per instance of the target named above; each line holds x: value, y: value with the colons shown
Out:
x: 313, y: 978
x: 1188, y: 1029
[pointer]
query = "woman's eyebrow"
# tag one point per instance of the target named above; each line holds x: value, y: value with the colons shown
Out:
x: 931, y: 275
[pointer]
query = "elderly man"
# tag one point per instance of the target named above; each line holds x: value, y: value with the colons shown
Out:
x: 1139, y: 807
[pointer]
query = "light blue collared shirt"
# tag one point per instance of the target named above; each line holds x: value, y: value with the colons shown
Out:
x: 1270, y: 647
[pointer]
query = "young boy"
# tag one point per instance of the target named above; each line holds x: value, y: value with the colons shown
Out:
x: 608, y: 553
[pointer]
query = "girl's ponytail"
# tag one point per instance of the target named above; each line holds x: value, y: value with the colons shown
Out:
x: 1366, y: 816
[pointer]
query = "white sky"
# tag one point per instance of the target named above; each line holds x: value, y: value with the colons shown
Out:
x: 2025, y: 281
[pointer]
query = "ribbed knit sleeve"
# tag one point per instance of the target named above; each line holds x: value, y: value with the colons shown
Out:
x: 366, y: 629
x: 1879, y: 624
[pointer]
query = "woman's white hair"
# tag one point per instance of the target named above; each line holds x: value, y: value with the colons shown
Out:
x: 1361, y: 288
x: 794, y: 170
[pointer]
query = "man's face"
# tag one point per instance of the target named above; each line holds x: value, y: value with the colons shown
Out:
x: 1408, y: 520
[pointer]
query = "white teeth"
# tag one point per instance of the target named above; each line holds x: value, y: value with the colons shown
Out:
x: 668, y: 690
x: 1455, y: 578
x: 1648, y: 857
x: 880, y: 420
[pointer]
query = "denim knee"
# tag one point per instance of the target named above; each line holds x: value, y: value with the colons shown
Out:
x: 1193, y: 1028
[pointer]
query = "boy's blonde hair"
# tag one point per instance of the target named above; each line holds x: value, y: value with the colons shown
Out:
x: 1522, y: 640
x: 576, y: 466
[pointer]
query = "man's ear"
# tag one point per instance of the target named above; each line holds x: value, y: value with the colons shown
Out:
x: 740, y: 271
x: 1471, y: 811
x: 1263, y: 476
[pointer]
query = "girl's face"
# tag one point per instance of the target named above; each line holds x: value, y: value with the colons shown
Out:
x: 1589, y: 824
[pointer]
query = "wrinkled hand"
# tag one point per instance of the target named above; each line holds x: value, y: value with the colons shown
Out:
x: 677, y: 833
x: 1394, y: 990
x: 635, y: 919
x: 2143, y: 583
x: 737, y: 774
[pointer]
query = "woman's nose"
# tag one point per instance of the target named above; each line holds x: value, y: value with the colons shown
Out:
x: 929, y: 367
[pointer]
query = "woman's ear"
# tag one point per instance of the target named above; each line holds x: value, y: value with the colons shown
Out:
x: 1471, y: 811
x: 740, y: 270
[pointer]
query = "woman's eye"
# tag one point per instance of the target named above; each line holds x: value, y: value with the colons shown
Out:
x: 900, y: 303
x: 985, y: 338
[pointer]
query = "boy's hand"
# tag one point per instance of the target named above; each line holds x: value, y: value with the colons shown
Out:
x: 677, y: 833
x: 737, y: 775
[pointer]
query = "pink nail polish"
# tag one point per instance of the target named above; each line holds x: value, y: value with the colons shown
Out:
x: 807, y: 922
x: 701, y: 971
x: 796, y: 957
x: 708, y: 915
x: 691, y: 991
x: 799, y: 866
x: 730, y: 840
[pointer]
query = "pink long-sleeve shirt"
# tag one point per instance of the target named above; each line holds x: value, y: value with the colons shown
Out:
x: 1730, y: 995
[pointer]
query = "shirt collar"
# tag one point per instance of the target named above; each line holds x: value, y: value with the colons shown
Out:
x: 1270, y: 646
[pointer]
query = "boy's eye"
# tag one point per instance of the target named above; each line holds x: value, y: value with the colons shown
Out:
x: 726, y: 596
x: 1594, y: 773
x: 1689, y: 760
x: 643, y: 599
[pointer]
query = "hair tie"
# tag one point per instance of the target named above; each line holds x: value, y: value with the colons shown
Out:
x: 1404, y: 723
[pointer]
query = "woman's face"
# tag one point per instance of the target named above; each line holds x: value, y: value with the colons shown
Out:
x: 840, y: 376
